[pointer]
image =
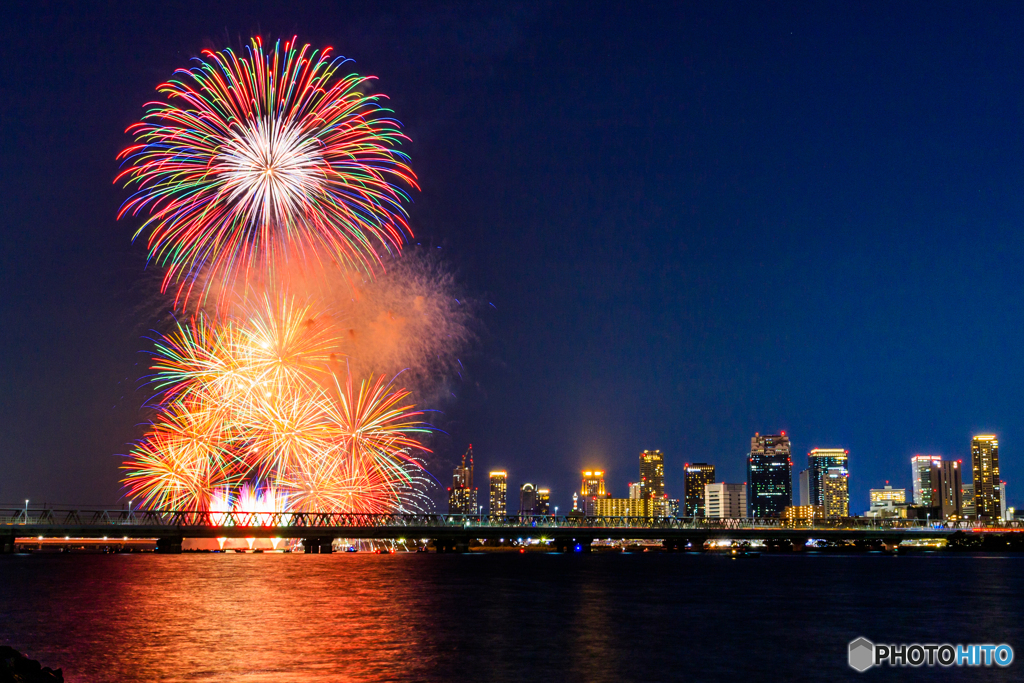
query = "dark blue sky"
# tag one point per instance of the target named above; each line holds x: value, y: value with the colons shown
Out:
x: 695, y: 222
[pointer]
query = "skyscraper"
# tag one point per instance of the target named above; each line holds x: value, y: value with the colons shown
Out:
x: 636, y: 491
x: 950, y: 497
x: 835, y: 486
x: 528, y: 499
x: 462, y: 495
x: 591, y: 489
x: 805, y: 488
x: 697, y: 476
x: 985, y: 467
x: 925, y: 475
x: 970, y: 512
x: 818, y: 462
x: 769, y: 475
x: 652, y: 474
x: 543, y: 506
x: 499, y: 491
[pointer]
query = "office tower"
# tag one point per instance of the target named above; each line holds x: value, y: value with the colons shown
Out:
x: 652, y: 474
x: 725, y: 501
x: 769, y: 475
x: 499, y: 490
x: 805, y: 488
x: 835, y: 486
x: 591, y: 489
x: 673, y: 507
x: 970, y: 512
x: 950, y: 497
x: 696, y: 476
x: 636, y: 491
x: 818, y: 462
x: 1002, y: 500
x: 985, y: 467
x: 462, y: 495
x: 543, y: 502
x: 925, y: 475
x: 528, y: 499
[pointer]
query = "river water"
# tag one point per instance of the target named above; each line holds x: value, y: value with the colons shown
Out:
x: 501, y: 617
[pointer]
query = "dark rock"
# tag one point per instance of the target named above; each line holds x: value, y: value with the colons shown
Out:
x: 17, y: 668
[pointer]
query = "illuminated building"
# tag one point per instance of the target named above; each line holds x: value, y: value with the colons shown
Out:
x: 528, y: 500
x: 950, y: 497
x: 769, y: 475
x: 887, y: 495
x: 499, y: 494
x: 925, y: 475
x: 636, y: 491
x: 887, y: 503
x: 652, y: 474
x: 985, y: 467
x: 970, y: 512
x: 622, y: 507
x: 819, y: 460
x: 697, y: 475
x: 802, y: 515
x: 1002, y: 500
x: 725, y: 501
x: 543, y: 502
x: 591, y: 489
x: 462, y: 495
x: 673, y: 507
x: 835, y: 486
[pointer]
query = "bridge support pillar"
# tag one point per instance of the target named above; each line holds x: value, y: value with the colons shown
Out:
x: 170, y: 545
x: 6, y: 543
x: 462, y: 545
x: 318, y: 546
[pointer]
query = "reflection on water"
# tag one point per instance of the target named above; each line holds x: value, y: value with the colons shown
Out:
x: 508, y: 617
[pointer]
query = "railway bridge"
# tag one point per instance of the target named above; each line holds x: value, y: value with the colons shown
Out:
x: 452, y: 533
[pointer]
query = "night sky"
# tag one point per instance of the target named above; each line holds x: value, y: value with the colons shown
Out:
x: 694, y: 222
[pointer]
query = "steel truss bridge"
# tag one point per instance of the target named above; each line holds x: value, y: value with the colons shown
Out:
x: 450, y: 532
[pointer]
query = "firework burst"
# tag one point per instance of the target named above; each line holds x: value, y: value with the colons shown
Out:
x: 266, y: 158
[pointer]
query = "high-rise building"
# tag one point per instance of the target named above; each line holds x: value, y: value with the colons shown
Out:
x: 591, y: 489
x: 805, y: 488
x: 543, y: 502
x: 725, y: 501
x: 652, y: 474
x: 818, y: 462
x: 636, y: 491
x: 950, y: 495
x: 528, y: 500
x: 673, y: 507
x: 499, y: 491
x: 769, y: 475
x: 835, y: 487
x: 462, y: 495
x: 1002, y: 500
x: 970, y: 512
x: 985, y: 468
x: 696, y: 476
x: 925, y: 475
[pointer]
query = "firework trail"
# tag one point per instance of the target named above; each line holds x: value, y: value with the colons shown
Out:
x: 264, y: 158
x: 273, y: 189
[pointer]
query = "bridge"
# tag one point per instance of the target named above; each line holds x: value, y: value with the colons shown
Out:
x: 453, y: 533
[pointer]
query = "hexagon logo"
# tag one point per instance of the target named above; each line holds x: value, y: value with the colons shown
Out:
x: 862, y: 654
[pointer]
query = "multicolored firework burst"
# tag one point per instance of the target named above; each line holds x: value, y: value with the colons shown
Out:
x: 262, y: 174
x: 266, y: 158
x: 256, y: 404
